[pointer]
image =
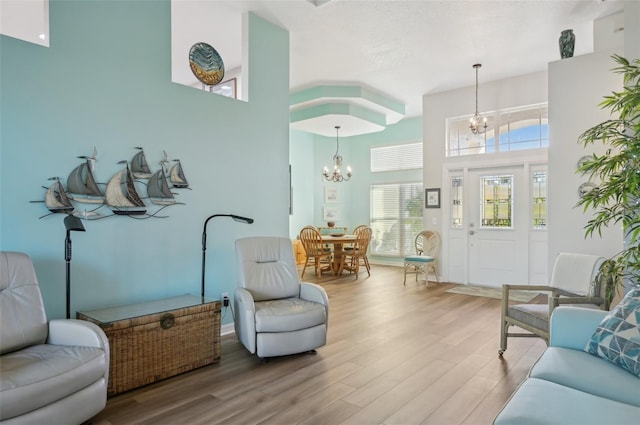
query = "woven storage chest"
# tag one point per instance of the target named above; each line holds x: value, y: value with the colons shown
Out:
x: 158, y: 339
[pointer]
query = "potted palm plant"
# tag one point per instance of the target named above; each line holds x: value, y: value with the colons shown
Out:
x: 616, y: 199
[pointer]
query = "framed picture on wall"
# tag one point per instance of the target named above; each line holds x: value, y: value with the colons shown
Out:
x: 331, y: 195
x: 432, y: 198
x: 331, y: 214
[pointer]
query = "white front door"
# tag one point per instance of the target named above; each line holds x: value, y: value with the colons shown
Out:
x: 497, y: 229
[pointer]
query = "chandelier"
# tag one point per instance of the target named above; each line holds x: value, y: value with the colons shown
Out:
x: 474, y: 125
x: 336, y: 174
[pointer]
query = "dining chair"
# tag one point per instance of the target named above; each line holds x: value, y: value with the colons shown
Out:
x: 427, y: 245
x: 363, y: 258
x: 317, y: 254
x: 351, y: 259
x: 573, y: 282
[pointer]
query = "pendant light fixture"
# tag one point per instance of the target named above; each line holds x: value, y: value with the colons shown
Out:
x: 478, y: 124
x: 336, y: 175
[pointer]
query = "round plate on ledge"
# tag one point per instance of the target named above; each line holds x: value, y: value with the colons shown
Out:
x: 206, y: 64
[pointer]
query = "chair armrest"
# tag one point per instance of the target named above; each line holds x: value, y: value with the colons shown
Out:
x: 572, y: 327
x: 528, y: 288
x: 577, y: 300
x: 78, y: 333
x: 245, y: 318
x: 315, y: 293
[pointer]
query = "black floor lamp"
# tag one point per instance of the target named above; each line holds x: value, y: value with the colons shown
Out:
x: 72, y: 223
x: 204, y: 237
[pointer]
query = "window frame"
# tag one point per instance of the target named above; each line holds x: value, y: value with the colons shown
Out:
x: 457, y: 128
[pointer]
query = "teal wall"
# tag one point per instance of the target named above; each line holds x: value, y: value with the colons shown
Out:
x: 353, y: 196
x: 106, y: 82
x: 303, y: 181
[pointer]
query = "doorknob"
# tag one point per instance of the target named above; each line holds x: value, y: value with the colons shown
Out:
x: 471, y: 232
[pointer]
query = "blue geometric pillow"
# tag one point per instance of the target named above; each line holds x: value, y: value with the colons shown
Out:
x: 617, y: 338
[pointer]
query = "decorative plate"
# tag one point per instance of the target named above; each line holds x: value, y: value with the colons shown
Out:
x: 585, y: 188
x: 206, y: 64
x: 583, y: 160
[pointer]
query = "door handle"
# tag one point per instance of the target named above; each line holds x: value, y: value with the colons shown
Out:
x: 471, y: 232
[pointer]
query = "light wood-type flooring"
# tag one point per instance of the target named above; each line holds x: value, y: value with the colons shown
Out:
x: 394, y: 355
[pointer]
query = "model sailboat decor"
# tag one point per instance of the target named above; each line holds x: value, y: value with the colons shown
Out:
x: 134, y: 190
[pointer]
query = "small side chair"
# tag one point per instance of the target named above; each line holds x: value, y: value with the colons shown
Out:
x: 425, y: 260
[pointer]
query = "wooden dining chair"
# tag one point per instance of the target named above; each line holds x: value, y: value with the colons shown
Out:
x: 364, y: 259
x: 318, y: 255
x: 352, y: 258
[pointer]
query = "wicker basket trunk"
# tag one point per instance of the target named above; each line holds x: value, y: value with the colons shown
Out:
x: 156, y: 340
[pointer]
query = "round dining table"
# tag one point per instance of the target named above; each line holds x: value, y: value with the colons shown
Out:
x: 338, y: 242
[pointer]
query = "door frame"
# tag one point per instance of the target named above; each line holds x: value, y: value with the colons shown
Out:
x: 462, y: 165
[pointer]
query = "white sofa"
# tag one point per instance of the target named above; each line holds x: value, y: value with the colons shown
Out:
x: 570, y: 386
x: 52, y: 372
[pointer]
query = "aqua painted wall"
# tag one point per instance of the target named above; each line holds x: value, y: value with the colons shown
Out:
x: 106, y: 82
x: 353, y: 196
x: 303, y: 180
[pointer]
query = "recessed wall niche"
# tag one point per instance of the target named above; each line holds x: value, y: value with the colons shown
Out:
x: 25, y: 20
x: 219, y: 25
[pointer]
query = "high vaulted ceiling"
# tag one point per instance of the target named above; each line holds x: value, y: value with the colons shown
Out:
x: 407, y: 48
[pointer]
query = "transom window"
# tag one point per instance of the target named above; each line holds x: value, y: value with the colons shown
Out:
x: 497, y: 201
x: 508, y: 130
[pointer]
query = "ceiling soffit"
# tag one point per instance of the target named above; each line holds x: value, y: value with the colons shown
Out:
x: 358, y: 110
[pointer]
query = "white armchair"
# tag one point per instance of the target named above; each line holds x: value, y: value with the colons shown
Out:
x: 573, y: 282
x: 275, y: 313
x: 50, y: 372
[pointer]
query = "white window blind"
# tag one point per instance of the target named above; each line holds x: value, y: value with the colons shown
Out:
x: 396, y: 218
x: 396, y: 157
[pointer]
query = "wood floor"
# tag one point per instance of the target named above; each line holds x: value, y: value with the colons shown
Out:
x: 394, y: 355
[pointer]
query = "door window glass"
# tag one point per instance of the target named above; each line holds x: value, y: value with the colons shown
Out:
x: 456, y: 202
x: 497, y: 201
x: 539, y: 201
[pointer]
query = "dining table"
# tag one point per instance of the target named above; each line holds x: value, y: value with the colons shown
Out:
x: 338, y: 242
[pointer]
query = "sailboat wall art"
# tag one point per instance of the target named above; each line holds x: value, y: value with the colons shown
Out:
x: 56, y: 198
x: 81, y: 184
x: 134, y: 190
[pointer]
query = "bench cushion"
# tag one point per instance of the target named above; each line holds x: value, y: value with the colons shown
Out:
x: 538, y: 401
x: 585, y: 372
x: 418, y: 259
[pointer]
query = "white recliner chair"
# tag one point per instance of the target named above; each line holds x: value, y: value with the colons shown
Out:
x: 275, y: 313
x: 50, y: 372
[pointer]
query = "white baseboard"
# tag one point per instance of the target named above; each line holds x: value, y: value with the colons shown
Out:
x: 227, y: 329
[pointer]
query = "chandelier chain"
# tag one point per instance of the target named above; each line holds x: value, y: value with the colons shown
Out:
x: 474, y: 125
x: 336, y: 175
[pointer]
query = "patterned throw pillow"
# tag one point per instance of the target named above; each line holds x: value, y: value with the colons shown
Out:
x: 617, y: 338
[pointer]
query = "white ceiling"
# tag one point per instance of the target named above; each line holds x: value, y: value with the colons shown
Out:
x: 401, y: 48
x: 408, y: 48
